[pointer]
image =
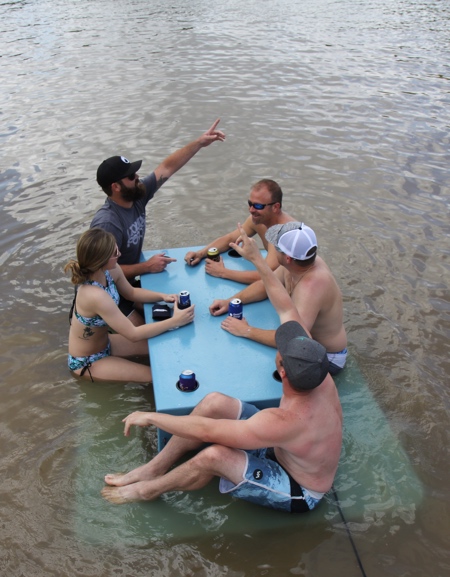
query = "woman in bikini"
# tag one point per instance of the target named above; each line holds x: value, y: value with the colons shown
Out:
x: 94, y: 353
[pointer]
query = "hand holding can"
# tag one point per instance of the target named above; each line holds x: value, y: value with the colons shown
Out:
x: 213, y: 254
x: 184, y: 300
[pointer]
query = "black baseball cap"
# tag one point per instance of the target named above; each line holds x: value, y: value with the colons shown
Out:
x: 304, y: 359
x: 115, y: 168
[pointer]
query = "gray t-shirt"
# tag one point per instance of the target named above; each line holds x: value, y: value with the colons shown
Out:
x: 127, y: 224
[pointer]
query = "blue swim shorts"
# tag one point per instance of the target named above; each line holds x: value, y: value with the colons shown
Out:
x: 266, y: 483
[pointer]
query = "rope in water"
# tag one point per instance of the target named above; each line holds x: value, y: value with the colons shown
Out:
x: 355, y: 550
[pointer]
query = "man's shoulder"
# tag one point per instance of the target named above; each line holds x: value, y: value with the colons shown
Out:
x: 151, y: 186
x: 279, y: 412
x: 105, y: 214
x: 323, y: 271
x: 318, y: 281
x: 285, y: 416
x: 261, y: 228
x: 108, y: 219
x: 284, y: 217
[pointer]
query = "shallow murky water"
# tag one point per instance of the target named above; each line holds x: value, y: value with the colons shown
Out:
x: 346, y: 105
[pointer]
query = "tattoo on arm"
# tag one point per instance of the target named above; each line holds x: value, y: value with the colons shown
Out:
x: 162, y: 180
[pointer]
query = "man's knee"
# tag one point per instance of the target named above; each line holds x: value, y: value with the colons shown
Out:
x: 213, y: 457
x: 218, y: 405
x: 221, y: 461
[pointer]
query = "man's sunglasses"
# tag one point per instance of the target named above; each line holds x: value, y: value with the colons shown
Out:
x: 258, y: 205
x: 131, y: 176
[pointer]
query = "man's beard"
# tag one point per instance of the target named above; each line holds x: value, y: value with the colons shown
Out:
x: 132, y: 194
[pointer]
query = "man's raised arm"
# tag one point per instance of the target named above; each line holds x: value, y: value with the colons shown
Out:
x: 179, y: 158
x: 276, y: 292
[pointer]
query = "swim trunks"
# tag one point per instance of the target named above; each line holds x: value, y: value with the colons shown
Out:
x: 84, y: 363
x: 337, y: 361
x: 266, y: 483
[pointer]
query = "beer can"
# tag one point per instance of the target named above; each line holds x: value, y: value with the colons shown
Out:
x: 184, y: 300
x: 235, y: 309
x: 187, y: 381
x: 213, y: 254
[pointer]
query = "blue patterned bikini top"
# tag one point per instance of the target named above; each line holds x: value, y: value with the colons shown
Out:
x: 111, y: 289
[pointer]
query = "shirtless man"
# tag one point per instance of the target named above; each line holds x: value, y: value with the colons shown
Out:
x: 265, y: 210
x: 312, y: 287
x: 284, y: 458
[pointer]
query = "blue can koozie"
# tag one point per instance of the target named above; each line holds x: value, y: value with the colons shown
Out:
x: 187, y: 381
x: 184, y: 300
x: 235, y: 309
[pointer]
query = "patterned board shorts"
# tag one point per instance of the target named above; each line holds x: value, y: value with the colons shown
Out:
x: 266, y: 483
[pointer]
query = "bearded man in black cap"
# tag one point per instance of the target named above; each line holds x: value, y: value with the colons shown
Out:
x: 123, y: 213
x: 283, y: 457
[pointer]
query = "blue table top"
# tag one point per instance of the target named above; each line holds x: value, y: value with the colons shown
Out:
x: 221, y: 362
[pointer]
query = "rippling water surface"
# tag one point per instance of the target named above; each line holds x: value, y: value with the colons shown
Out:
x: 345, y: 104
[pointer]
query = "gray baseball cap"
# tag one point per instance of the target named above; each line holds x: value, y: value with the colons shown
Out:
x: 304, y: 359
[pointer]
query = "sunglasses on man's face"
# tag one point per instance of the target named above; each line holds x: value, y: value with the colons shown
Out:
x: 258, y: 205
x: 131, y: 176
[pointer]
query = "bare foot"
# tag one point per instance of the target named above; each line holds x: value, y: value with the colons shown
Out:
x: 130, y: 493
x: 139, y: 474
x: 118, y: 495
x: 115, y: 479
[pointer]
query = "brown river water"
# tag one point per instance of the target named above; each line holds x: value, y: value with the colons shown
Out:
x: 346, y: 104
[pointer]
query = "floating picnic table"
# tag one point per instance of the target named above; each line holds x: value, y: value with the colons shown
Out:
x: 375, y: 479
x: 221, y: 362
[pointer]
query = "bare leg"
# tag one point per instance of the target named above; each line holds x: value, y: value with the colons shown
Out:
x: 214, y: 405
x: 117, y: 369
x: 122, y: 347
x: 215, y: 460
